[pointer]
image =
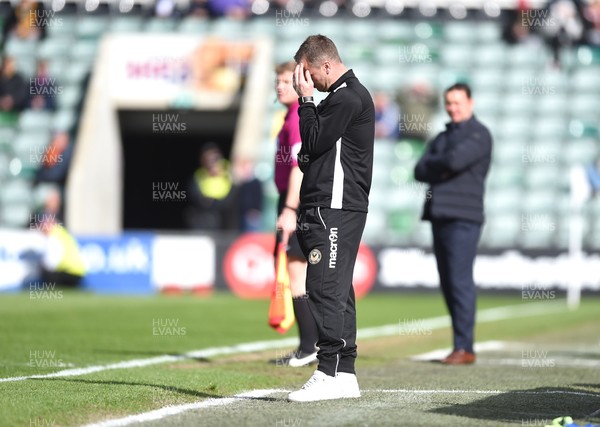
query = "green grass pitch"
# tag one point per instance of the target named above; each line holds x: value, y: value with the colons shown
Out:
x: 547, y: 366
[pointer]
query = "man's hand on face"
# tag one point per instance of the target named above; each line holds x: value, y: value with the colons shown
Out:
x: 303, y: 84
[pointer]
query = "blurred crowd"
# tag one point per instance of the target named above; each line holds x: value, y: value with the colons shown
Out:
x: 18, y: 93
x: 561, y: 23
x: 579, y: 18
x: 37, y: 93
x: 17, y: 19
x: 224, y: 196
x: 217, y: 185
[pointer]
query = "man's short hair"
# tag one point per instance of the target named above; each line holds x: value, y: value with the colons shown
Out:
x: 285, y: 66
x: 317, y: 48
x: 460, y: 86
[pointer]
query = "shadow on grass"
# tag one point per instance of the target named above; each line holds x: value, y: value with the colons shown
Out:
x: 127, y: 383
x: 179, y: 390
x: 529, y: 406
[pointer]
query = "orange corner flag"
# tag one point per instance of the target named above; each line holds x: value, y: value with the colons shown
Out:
x: 281, y: 310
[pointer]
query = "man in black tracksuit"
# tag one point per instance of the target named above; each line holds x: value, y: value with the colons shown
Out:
x: 337, y: 160
x: 455, y: 165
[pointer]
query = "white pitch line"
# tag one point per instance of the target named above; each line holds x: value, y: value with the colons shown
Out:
x: 487, y: 315
x: 137, y: 363
x: 551, y: 362
x: 593, y: 414
x: 178, y: 409
x: 418, y: 391
x: 505, y: 345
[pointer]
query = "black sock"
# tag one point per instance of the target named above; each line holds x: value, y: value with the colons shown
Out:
x: 307, y: 327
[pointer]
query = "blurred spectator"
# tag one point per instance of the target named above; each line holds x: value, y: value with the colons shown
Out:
x: 593, y: 174
x: 235, y: 9
x: 166, y: 9
x: 387, y: 114
x: 564, y: 27
x: 418, y: 104
x: 211, y: 194
x: 14, y: 91
x: 61, y: 261
x: 249, y: 196
x: 43, y: 90
x: 28, y: 21
x: 52, y: 203
x: 516, y: 27
x: 55, y: 163
x: 198, y: 8
x: 591, y: 15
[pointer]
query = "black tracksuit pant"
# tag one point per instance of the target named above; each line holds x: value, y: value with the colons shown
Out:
x: 330, y: 239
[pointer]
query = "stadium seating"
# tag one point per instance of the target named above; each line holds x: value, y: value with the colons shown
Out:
x: 500, y: 75
x: 543, y: 120
x: 16, y: 203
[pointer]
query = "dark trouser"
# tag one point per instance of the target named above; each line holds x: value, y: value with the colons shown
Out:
x: 61, y: 278
x: 455, y: 247
x: 330, y: 239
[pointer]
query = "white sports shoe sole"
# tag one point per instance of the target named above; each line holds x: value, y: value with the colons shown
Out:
x: 348, y: 385
x: 319, y: 387
x: 296, y: 362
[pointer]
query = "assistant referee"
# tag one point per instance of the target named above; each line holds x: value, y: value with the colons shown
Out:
x: 337, y: 161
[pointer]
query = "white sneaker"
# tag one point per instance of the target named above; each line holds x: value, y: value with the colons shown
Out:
x: 319, y: 387
x: 296, y: 362
x: 348, y: 384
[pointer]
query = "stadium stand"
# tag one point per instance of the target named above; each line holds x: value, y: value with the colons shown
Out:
x: 544, y: 119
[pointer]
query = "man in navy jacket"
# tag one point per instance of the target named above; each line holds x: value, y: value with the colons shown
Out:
x: 455, y: 166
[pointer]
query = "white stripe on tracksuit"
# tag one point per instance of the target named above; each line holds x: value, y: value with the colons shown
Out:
x: 337, y: 192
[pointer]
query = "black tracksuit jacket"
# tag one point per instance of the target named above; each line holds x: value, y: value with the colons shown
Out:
x: 337, y: 147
